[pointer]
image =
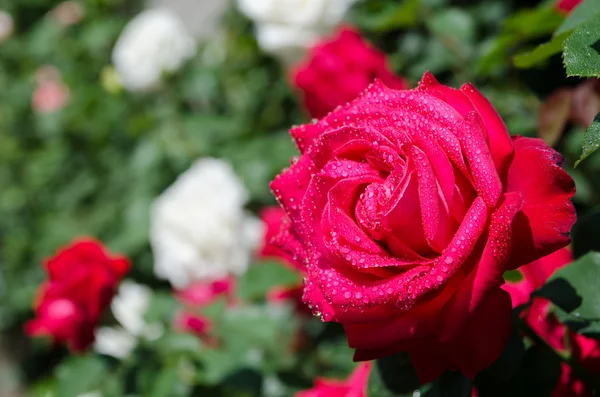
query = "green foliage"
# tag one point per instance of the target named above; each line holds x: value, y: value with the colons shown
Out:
x: 79, y: 375
x: 582, y: 13
x: 573, y: 289
x: 541, y: 52
x: 256, y: 283
x: 591, y: 140
x: 582, y: 49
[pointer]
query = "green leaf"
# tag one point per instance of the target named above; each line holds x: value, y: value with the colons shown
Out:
x: 582, y: 49
x: 261, y: 277
x: 168, y: 384
x: 532, y: 23
x: 591, y: 140
x: 80, y: 375
x: 390, y: 18
x: 575, y: 287
x: 579, y: 15
x: 456, y: 26
x: 542, y: 52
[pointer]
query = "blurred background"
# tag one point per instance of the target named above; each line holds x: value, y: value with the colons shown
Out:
x: 105, y: 103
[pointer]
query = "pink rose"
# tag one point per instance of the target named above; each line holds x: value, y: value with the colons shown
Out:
x: 197, y: 296
x: 83, y: 278
x: 407, y: 207
x: 338, y: 70
x: 354, y: 386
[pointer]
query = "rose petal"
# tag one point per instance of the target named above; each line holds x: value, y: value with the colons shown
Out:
x: 498, y: 138
x: 547, y: 215
x: 486, y: 274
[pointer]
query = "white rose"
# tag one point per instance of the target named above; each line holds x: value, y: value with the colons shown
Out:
x: 286, y: 28
x: 153, y: 43
x: 128, y: 307
x: 199, y: 230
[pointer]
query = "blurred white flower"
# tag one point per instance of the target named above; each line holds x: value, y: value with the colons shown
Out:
x: 199, y: 230
x: 128, y: 307
x: 114, y: 341
x: 6, y: 25
x: 200, y: 17
x: 153, y: 43
x: 286, y: 28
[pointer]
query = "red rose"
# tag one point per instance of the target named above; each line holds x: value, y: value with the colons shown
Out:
x: 274, y: 219
x: 539, y: 317
x: 83, y: 278
x: 354, y: 386
x: 338, y: 70
x: 567, y: 5
x: 407, y: 207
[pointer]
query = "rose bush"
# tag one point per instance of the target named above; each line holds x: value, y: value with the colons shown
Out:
x: 83, y: 278
x: 339, y: 69
x: 407, y: 207
x: 544, y: 323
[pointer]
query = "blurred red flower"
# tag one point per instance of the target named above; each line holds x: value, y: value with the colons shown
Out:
x: 567, y: 5
x: 83, y: 278
x: 338, y: 70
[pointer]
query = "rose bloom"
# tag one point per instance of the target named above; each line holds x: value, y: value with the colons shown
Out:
x: 50, y: 97
x: 541, y: 320
x: 567, y: 6
x: 354, y: 386
x: 339, y: 69
x: 83, y: 278
x: 407, y: 207
x: 286, y: 28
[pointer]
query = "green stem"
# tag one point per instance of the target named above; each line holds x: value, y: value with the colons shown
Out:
x: 564, y: 357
